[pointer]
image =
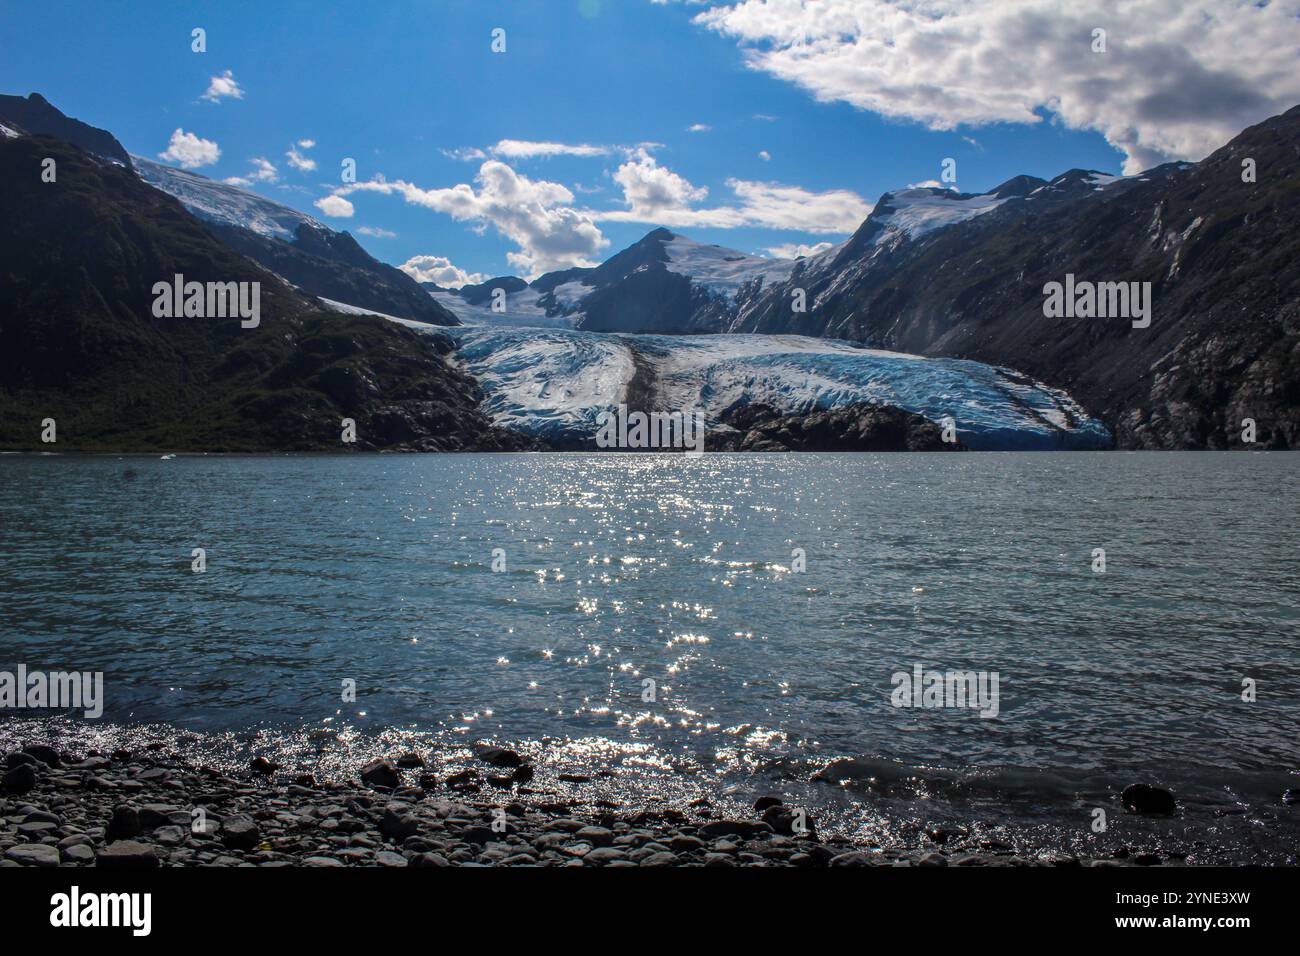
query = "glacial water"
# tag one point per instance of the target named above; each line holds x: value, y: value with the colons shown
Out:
x: 620, y: 569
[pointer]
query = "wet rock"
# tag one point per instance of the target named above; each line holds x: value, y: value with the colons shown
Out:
x: 411, y: 761
x: 1291, y: 797
x: 854, y: 858
x: 498, y: 756
x: 1146, y: 799
x: 762, y: 803
x: 465, y: 778
x: 19, y: 779
x: 523, y: 773
x: 789, y: 821
x: 390, y: 859
x: 428, y: 782
x: 127, y: 853
x: 575, y: 778
x: 932, y: 859
x: 725, y: 828
x: 381, y: 773
x: 260, y: 765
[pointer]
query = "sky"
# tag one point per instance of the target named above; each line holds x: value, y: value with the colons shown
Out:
x: 499, y: 137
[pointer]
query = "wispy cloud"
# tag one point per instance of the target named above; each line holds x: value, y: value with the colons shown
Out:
x: 297, y: 160
x: 263, y: 172
x: 376, y: 233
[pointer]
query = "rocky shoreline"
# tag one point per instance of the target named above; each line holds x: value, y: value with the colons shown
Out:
x: 153, y: 808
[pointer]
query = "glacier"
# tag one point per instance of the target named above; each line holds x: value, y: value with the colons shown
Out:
x: 553, y: 383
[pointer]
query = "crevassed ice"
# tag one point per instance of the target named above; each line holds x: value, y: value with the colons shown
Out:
x: 554, y: 382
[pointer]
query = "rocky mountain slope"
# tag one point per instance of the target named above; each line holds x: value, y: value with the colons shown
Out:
x: 79, y: 259
x: 315, y: 258
x: 664, y: 283
x: 1220, y: 254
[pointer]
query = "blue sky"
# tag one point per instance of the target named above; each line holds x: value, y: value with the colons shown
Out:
x: 791, y: 145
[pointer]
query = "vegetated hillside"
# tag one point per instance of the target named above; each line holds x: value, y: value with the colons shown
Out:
x: 79, y: 258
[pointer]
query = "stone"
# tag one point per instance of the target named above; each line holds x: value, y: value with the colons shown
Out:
x: 240, y: 832
x: 498, y: 756
x: 127, y: 853
x: 46, y: 755
x: 1146, y: 799
x: 762, y: 803
x: 19, y: 779
x: 33, y: 854
x: 381, y: 773
x: 398, y: 823
x: 262, y: 766
x: 124, y: 824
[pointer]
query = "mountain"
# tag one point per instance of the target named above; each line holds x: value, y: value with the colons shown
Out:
x: 79, y: 260
x: 964, y: 276
x: 37, y: 116
x: 665, y: 283
x: 315, y: 258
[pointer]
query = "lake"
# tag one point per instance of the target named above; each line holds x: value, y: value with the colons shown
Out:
x: 698, y: 628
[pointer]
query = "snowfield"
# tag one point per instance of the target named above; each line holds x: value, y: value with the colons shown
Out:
x: 223, y: 203
x: 552, y: 383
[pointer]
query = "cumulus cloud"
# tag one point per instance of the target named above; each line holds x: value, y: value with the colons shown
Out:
x: 793, y: 250
x: 698, y: 128
x: 657, y: 195
x: 764, y: 155
x: 1178, y: 78
x: 190, y: 151
x: 297, y: 160
x: 440, y: 269
x: 537, y: 216
x: 223, y: 87
x: 335, y: 206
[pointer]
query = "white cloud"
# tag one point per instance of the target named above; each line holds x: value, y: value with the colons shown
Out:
x: 526, y: 149
x: 793, y: 250
x: 534, y: 214
x: 263, y: 172
x: 1179, y: 78
x: 221, y: 86
x: 297, y: 160
x: 699, y: 128
x: 764, y: 155
x: 190, y: 151
x: 335, y: 206
x: 376, y: 233
x: 439, y: 269
x: 659, y: 196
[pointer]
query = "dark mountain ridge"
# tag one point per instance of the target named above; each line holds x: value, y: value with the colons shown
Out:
x: 79, y: 259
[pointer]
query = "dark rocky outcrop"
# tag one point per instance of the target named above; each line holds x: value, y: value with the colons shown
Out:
x: 34, y: 114
x: 857, y: 427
